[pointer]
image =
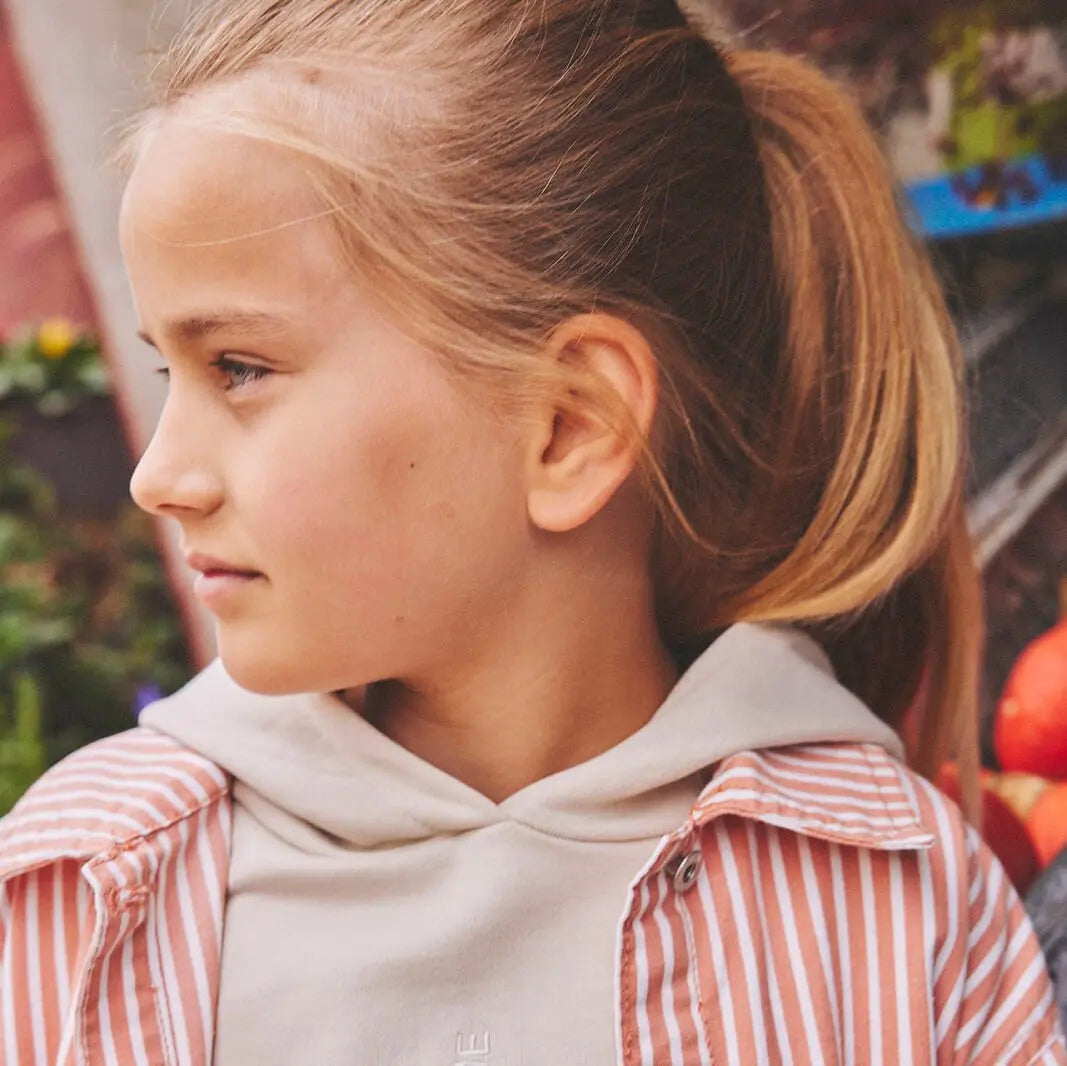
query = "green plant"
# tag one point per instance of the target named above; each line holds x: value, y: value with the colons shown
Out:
x: 54, y: 365
x: 22, y: 747
x: 86, y: 625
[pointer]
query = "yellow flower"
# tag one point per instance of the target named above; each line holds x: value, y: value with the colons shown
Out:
x: 55, y: 337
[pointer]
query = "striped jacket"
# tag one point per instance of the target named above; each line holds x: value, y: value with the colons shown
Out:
x: 821, y: 904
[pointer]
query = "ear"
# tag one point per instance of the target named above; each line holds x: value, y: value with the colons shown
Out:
x: 576, y: 460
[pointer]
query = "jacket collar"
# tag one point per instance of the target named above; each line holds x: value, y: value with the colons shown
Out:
x: 847, y: 793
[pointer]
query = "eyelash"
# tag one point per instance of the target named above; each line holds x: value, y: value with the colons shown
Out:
x: 245, y: 373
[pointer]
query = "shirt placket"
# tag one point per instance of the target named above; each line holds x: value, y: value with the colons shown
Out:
x: 119, y: 1021
x: 660, y: 1018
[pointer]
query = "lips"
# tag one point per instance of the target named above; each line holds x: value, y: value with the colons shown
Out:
x: 221, y: 585
x: 211, y: 566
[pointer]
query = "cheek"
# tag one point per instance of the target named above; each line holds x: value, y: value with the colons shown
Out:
x: 389, y: 493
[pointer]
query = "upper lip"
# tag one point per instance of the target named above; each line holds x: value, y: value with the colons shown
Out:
x: 209, y: 563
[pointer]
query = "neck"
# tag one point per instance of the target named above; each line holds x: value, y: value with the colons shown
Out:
x: 534, y: 700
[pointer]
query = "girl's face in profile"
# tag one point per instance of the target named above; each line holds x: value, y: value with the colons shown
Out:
x: 304, y: 439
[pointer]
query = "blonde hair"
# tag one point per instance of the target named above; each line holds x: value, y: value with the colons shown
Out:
x: 494, y: 166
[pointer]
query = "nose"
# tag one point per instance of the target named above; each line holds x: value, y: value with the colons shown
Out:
x: 175, y: 476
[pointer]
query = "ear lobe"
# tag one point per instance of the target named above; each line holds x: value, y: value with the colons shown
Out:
x: 585, y: 449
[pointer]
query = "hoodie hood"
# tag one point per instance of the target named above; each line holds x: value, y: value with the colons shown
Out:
x: 315, y: 758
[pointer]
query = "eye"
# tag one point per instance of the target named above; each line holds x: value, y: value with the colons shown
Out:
x: 238, y: 373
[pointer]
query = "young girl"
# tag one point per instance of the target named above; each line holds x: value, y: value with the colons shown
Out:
x: 567, y: 434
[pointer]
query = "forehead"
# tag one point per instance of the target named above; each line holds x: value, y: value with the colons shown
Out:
x: 214, y: 204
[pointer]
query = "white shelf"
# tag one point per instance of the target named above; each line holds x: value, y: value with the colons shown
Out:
x: 982, y: 332
x: 1002, y: 509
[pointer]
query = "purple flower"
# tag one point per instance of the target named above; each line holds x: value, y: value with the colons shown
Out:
x: 145, y: 695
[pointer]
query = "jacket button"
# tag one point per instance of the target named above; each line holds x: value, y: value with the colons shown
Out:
x: 687, y: 871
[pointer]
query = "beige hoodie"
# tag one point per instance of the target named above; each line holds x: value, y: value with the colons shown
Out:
x: 383, y: 913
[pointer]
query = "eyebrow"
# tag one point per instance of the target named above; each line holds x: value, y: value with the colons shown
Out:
x: 197, y: 326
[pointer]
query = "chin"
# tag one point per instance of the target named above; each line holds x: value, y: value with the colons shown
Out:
x: 265, y: 674
x: 258, y: 668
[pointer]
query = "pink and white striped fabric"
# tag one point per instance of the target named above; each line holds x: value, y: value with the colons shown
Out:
x: 822, y: 904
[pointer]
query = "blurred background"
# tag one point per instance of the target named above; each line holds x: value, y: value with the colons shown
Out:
x: 96, y: 618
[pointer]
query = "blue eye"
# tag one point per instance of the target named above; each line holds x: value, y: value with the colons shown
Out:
x: 239, y: 373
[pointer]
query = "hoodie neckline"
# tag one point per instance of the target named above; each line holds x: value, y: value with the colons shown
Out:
x: 317, y: 759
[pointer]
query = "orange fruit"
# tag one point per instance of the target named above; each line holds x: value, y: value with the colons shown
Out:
x: 1019, y: 791
x: 1048, y: 823
x: 1030, y: 727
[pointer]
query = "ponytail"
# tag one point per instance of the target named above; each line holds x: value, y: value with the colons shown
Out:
x: 885, y: 570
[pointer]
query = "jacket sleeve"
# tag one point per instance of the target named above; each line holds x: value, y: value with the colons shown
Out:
x: 40, y: 947
x: 1004, y: 1012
